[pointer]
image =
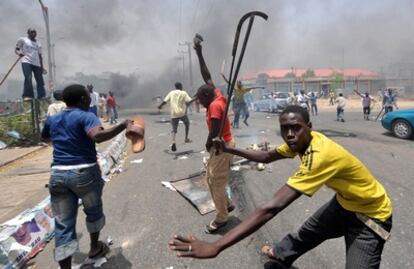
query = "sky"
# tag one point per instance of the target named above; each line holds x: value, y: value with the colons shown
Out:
x: 142, y: 36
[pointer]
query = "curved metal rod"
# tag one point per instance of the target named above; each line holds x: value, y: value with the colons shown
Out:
x: 233, y: 79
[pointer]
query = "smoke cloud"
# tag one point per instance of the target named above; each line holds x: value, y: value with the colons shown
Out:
x: 130, y: 38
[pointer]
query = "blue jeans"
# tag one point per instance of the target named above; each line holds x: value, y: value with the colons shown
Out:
x: 66, y: 187
x: 114, y: 115
x: 28, y: 86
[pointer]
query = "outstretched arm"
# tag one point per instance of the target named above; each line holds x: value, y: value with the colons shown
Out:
x: 195, y: 248
x: 205, y: 73
x: 101, y: 135
x: 252, y: 155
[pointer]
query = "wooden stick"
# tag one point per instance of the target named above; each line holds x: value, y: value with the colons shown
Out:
x: 11, y: 68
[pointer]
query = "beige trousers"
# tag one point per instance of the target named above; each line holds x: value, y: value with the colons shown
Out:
x: 218, y: 172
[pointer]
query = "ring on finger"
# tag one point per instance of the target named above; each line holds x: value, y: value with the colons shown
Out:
x: 189, y: 248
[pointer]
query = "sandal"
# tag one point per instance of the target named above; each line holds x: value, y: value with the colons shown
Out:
x: 101, y: 253
x: 214, y: 227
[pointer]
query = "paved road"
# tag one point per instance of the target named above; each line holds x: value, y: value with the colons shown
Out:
x: 142, y: 215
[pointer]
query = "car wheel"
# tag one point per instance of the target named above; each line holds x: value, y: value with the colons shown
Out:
x: 402, y: 129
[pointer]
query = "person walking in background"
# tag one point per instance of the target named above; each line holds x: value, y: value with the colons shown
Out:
x: 313, y: 103
x: 340, y: 107
x: 389, y: 101
x: 32, y: 62
x: 58, y: 105
x: 102, y: 107
x: 367, y: 99
x: 179, y: 101
x: 94, y: 100
x: 112, y: 106
x: 331, y: 97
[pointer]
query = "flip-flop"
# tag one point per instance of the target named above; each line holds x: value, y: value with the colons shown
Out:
x: 102, y: 252
x: 136, y: 132
x: 214, y: 227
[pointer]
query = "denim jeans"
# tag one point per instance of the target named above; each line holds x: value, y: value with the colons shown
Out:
x: 28, y: 86
x: 66, y: 187
x: 363, y: 246
x: 240, y: 109
x: 114, y: 115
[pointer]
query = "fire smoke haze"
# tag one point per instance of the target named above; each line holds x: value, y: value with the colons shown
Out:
x: 130, y: 36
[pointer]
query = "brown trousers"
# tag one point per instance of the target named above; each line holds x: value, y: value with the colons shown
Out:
x: 218, y: 172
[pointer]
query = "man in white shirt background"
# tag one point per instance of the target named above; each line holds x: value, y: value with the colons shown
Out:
x: 93, y: 107
x: 32, y: 62
x: 179, y: 100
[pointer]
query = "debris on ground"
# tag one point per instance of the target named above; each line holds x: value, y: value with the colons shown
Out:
x: 2, y: 145
x: 137, y: 161
x: 14, y: 134
x: 168, y: 185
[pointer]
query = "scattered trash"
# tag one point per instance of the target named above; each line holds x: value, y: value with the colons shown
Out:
x: 2, y: 145
x: 268, y: 117
x: 171, y: 267
x: 168, y: 185
x: 184, y: 157
x: 235, y: 168
x: 162, y: 134
x: 137, y: 161
x: 109, y: 240
x: 203, y: 151
x: 260, y: 166
x: 14, y: 134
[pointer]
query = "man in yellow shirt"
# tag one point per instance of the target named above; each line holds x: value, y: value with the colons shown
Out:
x: 360, y: 211
x: 179, y: 100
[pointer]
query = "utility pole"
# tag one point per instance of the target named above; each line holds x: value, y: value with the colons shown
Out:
x: 190, y: 67
x: 182, y: 59
x: 49, y: 49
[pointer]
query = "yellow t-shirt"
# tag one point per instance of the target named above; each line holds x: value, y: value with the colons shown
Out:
x: 326, y: 162
x: 239, y: 93
x: 178, y: 102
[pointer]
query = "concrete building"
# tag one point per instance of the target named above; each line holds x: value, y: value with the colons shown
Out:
x: 316, y: 80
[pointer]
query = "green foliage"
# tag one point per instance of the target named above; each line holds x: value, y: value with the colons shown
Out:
x: 309, y: 73
x: 337, y: 81
x: 21, y: 123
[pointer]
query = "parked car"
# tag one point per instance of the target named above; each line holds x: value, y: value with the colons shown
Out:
x: 274, y: 102
x: 400, y: 122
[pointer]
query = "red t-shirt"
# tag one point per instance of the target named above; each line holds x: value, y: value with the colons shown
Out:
x: 110, y: 101
x: 216, y: 111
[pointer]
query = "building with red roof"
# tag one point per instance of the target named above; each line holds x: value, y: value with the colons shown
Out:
x: 320, y: 80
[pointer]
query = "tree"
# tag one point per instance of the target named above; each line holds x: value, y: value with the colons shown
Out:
x: 309, y: 73
x: 336, y: 80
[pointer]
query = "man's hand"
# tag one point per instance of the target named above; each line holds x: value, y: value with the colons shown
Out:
x: 44, y: 71
x: 209, y: 144
x: 21, y: 55
x: 125, y: 123
x: 219, y: 144
x: 193, y: 247
x: 159, y: 107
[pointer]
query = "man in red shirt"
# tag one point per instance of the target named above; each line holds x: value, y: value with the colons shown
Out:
x: 111, y: 106
x: 218, y: 166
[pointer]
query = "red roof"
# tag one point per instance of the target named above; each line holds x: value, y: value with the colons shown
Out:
x: 320, y: 72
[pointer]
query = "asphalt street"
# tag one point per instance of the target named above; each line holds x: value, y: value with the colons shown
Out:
x: 142, y: 215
